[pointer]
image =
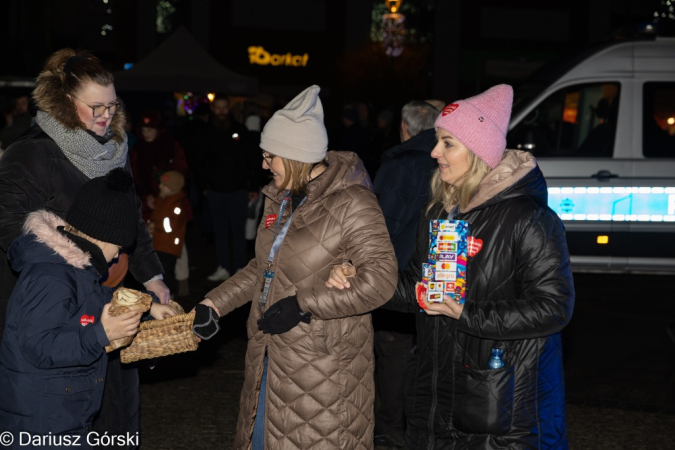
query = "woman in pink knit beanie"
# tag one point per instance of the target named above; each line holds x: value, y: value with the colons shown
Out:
x: 519, y: 295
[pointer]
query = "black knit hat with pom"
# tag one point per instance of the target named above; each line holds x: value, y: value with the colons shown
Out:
x: 105, y: 209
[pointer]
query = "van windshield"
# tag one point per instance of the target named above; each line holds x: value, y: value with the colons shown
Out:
x: 527, y: 91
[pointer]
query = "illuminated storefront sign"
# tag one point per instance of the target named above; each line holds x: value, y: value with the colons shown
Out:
x: 260, y: 56
x: 616, y: 204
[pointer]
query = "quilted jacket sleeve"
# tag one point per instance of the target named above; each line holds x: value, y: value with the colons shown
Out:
x: 236, y: 291
x: 47, y: 336
x: 545, y: 301
x: 366, y: 244
x: 404, y: 299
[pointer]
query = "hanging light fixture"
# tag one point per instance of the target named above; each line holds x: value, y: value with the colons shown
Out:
x: 393, y: 28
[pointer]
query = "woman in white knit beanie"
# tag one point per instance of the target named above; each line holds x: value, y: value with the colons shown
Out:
x: 309, y: 364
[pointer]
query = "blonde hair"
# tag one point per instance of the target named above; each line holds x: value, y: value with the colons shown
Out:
x: 297, y: 173
x: 463, y: 190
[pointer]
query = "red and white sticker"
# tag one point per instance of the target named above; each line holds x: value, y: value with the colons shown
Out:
x: 474, y: 245
x: 450, y: 108
x: 269, y: 220
x: 86, y: 320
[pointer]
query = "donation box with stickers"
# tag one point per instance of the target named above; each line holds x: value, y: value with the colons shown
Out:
x: 444, y: 273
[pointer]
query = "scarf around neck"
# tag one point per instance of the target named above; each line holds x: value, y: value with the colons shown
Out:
x: 82, y: 149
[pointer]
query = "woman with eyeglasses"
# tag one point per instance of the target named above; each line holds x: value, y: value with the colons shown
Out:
x: 309, y: 363
x: 79, y: 135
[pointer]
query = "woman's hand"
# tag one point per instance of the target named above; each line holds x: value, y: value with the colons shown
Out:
x: 120, y: 326
x: 449, y: 308
x: 159, y: 311
x: 205, y: 324
x: 209, y: 303
x: 161, y: 291
x: 338, y: 276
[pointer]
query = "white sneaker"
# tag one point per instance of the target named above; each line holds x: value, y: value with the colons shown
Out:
x: 221, y: 274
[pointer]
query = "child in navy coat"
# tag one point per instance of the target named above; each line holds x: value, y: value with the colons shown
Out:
x: 52, y: 357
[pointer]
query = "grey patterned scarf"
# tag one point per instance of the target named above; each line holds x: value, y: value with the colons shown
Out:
x: 82, y: 149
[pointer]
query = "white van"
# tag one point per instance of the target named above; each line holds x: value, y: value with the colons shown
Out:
x: 602, y: 126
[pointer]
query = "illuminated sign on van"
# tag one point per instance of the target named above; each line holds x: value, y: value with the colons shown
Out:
x: 260, y: 56
x: 615, y: 204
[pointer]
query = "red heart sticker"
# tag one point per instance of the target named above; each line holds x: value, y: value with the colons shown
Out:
x: 269, y: 220
x: 421, y: 294
x: 474, y: 245
x: 86, y: 320
x: 450, y: 108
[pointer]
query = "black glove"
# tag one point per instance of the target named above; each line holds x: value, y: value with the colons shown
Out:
x: 206, y: 320
x: 283, y: 316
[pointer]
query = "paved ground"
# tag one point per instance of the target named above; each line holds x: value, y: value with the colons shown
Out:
x: 620, y: 370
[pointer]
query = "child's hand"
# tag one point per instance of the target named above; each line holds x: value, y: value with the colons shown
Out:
x: 159, y: 311
x: 151, y: 227
x: 120, y: 326
x: 150, y: 200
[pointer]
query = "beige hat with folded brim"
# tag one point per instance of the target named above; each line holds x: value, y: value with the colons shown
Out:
x: 297, y: 131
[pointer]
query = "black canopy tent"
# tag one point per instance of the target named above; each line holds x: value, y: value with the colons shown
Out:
x: 181, y: 64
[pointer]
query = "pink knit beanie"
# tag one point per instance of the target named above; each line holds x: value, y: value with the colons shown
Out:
x: 481, y: 122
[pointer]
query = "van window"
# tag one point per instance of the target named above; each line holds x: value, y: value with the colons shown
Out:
x: 576, y: 121
x: 658, y: 120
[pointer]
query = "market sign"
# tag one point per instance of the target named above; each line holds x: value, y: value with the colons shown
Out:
x: 260, y: 56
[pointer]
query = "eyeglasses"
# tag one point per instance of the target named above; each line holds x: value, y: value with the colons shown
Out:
x: 98, y: 110
x: 268, y: 157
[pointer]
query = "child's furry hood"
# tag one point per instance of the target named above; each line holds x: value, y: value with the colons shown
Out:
x: 40, y: 227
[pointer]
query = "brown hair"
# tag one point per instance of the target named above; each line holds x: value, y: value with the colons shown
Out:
x: 297, y: 173
x: 63, y: 76
x: 462, y: 192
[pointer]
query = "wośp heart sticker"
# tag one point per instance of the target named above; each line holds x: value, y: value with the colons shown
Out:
x: 269, y: 220
x: 474, y: 245
x: 450, y: 108
x: 86, y: 320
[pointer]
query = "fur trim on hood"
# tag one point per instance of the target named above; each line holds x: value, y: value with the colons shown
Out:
x: 43, y: 225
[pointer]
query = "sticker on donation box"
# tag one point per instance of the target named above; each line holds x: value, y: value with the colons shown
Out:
x: 445, y: 271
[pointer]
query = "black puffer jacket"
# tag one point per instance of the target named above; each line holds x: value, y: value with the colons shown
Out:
x: 34, y: 175
x: 520, y: 296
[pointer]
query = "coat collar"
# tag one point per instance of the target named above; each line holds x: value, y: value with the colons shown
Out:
x: 514, y: 166
x: 344, y: 169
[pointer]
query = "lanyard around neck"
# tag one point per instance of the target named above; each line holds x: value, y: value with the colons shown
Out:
x: 280, y: 235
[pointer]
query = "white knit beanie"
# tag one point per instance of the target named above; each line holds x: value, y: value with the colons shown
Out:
x: 297, y: 132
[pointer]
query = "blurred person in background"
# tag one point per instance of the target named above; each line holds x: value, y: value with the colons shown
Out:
x: 402, y: 189
x: 155, y: 152
x: 228, y: 171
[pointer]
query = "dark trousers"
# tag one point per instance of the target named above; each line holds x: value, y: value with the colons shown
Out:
x: 121, y: 406
x: 228, y: 213
x: 169, y: 263
x: 391, y: 349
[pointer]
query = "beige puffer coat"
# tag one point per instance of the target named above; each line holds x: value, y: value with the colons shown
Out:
x: 320, y: 388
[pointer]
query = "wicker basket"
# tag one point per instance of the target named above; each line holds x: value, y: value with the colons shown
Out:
x: 144, y: 303
x: 162, y: 338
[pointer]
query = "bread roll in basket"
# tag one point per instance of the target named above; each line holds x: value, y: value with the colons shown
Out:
x: 125, y: 300
x: 163, y: 337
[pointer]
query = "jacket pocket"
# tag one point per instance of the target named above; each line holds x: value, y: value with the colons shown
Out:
x: 319, y: 336
x: 483, y: 402
x: 65, y: 403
